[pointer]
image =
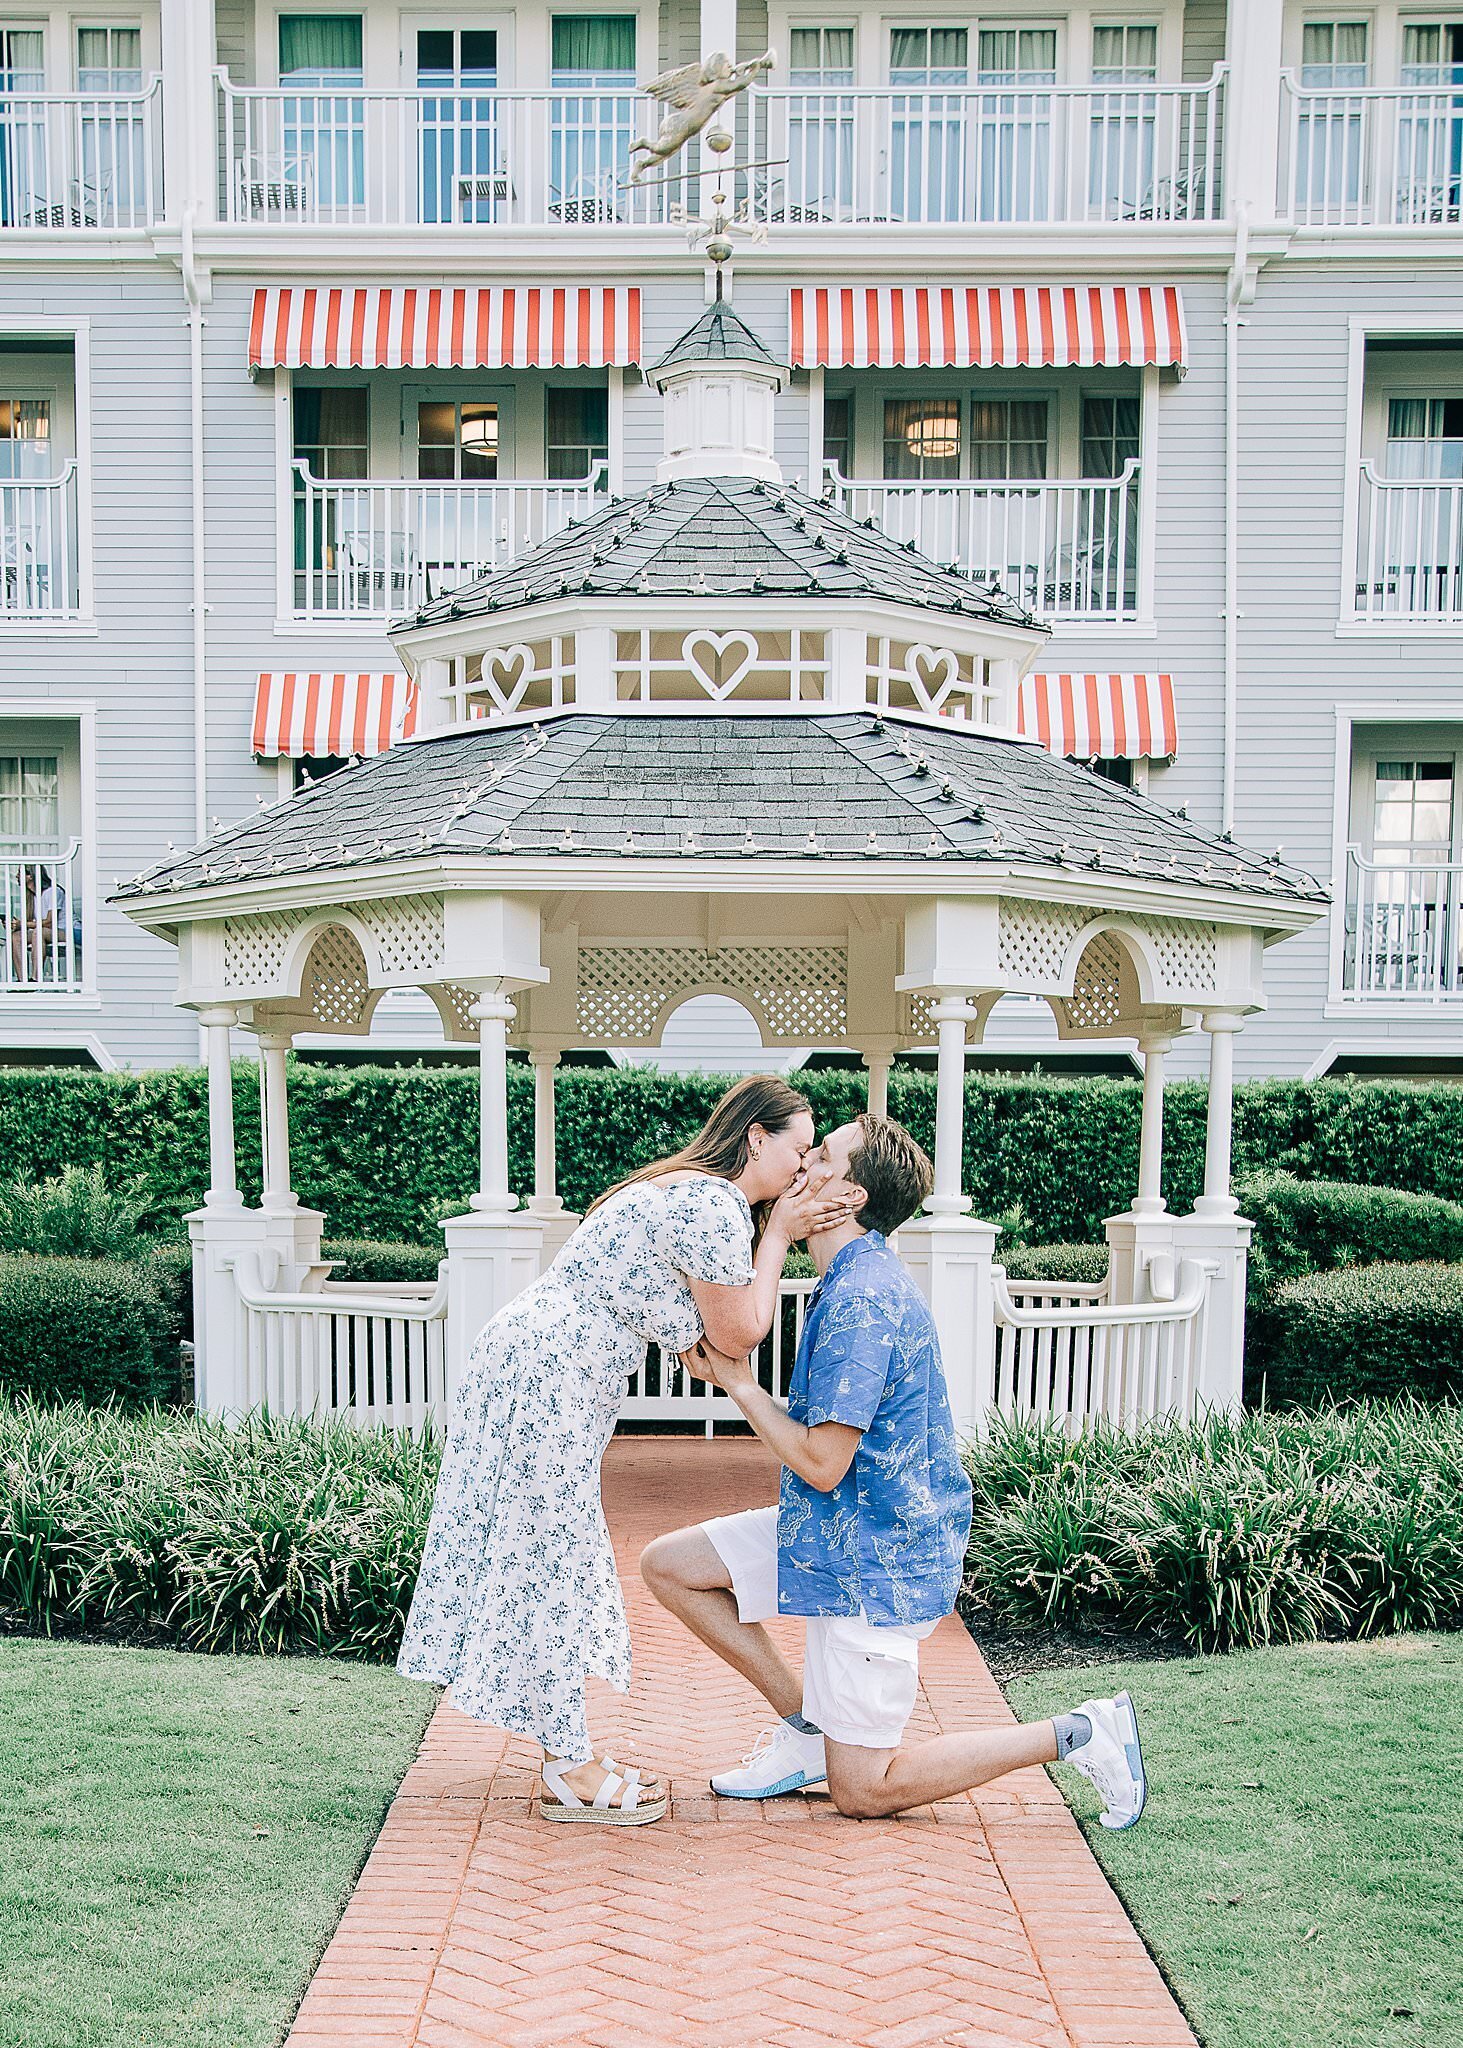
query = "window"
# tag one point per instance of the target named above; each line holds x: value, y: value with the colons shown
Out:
x: 1018, y: 56
x: 457, y: 439
x: 462, y: 171
x: 593, y: 116
x: 820, y: 127
x: 320, y: 49
x: 1412, y: 812
x: 838, y: 433
x: 594, y: 49
x: 22, y: 60
x: 929, y: 56
x: 576, y: 431
x: 109, y: 59
x: 821, y: 57
x: 1109, y: 433
x: 330, y: 429
x: 1432, y: 53
x: 1430, y: 126
x: 1333, y: 54
x: 1124, y: 123
x: 25, y: 439
x: 324, y: 130
x: 1425, y: 437
x: 30, y: 803
x: 1008, y: 437
x: 922, y: 438
x: 1124, y: 54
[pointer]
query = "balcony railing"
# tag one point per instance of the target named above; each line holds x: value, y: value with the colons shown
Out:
x: 38, y: 560
x: 1371, y: 157
x: 1404, y: 928
x: 81, y: 160
x: 1409, y: 548
x: 42, y: 916
x: 344, y: 157
x: 1064, y: 549
x: 966, y: 155
x: 377, y: 549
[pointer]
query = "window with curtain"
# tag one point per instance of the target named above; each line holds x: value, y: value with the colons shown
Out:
x: 593, y: 49
x: 332, y: 529
x: 594, y: 116
x: 330, y: 429
x: 113, y: 138
x: 24, y: 170
x: 1329, y: 137
x: 1017, y: 56
x: 1413, y: 808
x: 929, y: 123
x: 1008, y: 437
x: 1333, y: 53
x: 1430, y: 127
x: 25, y: 439
x: 1014, y: 148
x: 820, y: 127
x: 1425, y: 437
x: 462, y: 175
x: 109, y: 59
x: 30, y: 803
x: 320, y: 49
x: 922, y: 438
x: 820, y: 56
x: 1109, y: 433
x: 22, y: 60
x: 929, y: 56
x: 838, y: 432
x: 1124, y: 53
x: 1432, y: 53
x: 1124, y: 123
x: 576, y: 431
x: 457, y: 440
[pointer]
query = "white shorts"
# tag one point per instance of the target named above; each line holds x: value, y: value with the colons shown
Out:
x: 860, y: 1678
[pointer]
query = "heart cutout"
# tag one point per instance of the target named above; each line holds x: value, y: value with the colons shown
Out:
x: 933, y: 673
x: 714, y: 675
x: 507, y: 672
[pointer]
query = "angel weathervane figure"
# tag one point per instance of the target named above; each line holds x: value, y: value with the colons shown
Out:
x: 694, y: 93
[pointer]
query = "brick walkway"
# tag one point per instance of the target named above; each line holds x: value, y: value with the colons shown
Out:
x: 982, y: 1923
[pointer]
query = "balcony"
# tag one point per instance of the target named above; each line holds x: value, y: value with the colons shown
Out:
x: 1409, y: 550
x: 85, y: 161
x: 1404, y: 930
x: 42, y: 916
x: 38, y: 556
x: 380, y: 548
x: 974, y: 156
x: 345, y: 158
x: 1368, y: 157
x: 1066, y: 549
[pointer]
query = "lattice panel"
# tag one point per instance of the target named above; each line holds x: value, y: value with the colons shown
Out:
x: 916, y: 1025
x: 1035, y: 938
x: 1185, y: 956
x: 459, y: 1002
x: 255, y: 947
x: 408, y: 931
x: 802, y: 991
x: 1106, y: 987
x: 336, y: 986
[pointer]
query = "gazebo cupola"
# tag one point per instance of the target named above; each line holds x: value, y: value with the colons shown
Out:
x: 719, y: 383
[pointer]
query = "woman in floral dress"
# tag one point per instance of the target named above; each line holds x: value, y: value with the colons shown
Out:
x: 518, y: 1597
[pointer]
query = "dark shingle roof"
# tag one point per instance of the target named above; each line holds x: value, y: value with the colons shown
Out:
x: 722, y: 536
x: 717, y: 337
x: 733, y: 785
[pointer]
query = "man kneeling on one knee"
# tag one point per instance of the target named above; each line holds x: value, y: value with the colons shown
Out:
x: 869, y: 1536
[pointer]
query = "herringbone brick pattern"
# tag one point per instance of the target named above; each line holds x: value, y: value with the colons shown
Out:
x: 979, y: 1923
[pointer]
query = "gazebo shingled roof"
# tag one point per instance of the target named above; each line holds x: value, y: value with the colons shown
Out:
x: 718, y: 537
x: 634, y: 786
x: 717, y: 337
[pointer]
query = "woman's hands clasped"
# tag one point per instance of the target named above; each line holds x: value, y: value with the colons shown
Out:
x: 807, y: 1208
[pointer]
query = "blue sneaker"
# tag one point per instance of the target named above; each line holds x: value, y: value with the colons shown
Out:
x: 782, y: 1760
x: 1113, y: 1760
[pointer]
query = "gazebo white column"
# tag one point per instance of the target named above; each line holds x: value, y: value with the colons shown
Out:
x: 494, y: 1013
x: 546, y: 1203
x: 1216, y: 1234
x: 217, y: 1023
x: 1216, y: 1199
x: 878, y: 1060
x: 953, y: 1014
x: 275, y: 1120
x: 1155, y: 1047
x: 220, y: 1232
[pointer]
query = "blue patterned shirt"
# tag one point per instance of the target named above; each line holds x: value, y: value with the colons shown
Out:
x: 891, y: 1536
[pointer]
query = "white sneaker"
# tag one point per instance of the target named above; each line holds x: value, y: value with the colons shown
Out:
x: 783, y: 1760
x: 1113, y: 1760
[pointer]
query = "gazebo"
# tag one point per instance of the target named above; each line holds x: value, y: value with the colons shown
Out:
x: 718, y: 736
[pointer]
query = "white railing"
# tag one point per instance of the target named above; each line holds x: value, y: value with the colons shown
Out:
x: 81, y: 160
x: 1056, y: 1293
x: 663, y: 1391
x: 1409, y: 547
x: 1404, y: 928
x: 343, y: 156
x: 41, y: 914
x: 378, y: 548
x: 368, y: 1355
x: 38, y: 554
x: 1374, y: 156
x: 1066, y: 548
x: 974, y: 155
x: 1078, y: 1361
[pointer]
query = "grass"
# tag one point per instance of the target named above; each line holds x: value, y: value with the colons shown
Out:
x: 178, y: 1835
x: 1297, y: 1873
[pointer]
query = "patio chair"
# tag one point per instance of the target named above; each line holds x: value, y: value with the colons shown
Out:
x: 267, y: 186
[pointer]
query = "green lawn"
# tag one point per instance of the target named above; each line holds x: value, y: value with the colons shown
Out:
x: 1299, y: 1872
x: 178, y: 1835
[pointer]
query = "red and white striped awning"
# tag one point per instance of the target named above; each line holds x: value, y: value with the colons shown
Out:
x: 299, y: 715
x: 1118, y: 717
x: 960, y: 327
x: 444, y: 327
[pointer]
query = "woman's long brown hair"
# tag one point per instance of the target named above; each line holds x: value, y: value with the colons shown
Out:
x: 722, y: 1145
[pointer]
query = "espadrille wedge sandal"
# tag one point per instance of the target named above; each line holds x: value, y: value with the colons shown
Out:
x: 622, y: 1800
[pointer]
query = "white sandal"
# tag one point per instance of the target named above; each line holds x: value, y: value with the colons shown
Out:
x: 627, y: 1811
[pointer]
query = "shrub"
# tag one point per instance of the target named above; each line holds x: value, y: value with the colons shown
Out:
x: 1080, y: 1265
x: 91, y: 1329
x: 364, y: 1258
x: 1306, y: 1226
x: 1262, y: 1528
x: 1366, y: 1330
x: 74, y: 1215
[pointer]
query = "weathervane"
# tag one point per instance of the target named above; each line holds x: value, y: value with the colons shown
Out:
x: 695, y: 94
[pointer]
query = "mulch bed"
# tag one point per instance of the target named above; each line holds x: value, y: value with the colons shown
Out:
x: 1016, y: 1652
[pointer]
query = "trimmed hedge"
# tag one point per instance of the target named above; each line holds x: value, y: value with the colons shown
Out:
x: 360, y: 1258
x: 1080, y: 1265
x: 375, y: 1148
x: 93, y: 1329
x: 1366, y: 1331
x: 1310, y: 1226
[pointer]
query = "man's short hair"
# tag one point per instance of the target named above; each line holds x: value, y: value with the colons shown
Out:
x: 894, y: 1171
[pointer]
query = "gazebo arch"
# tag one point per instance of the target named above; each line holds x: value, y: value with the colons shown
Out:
x: 827, y: 812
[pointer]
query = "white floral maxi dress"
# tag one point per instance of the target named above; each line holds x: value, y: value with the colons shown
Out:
x: 518, y: 1597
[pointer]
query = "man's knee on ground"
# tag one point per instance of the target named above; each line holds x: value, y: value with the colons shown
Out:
x: 861, y: 1795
